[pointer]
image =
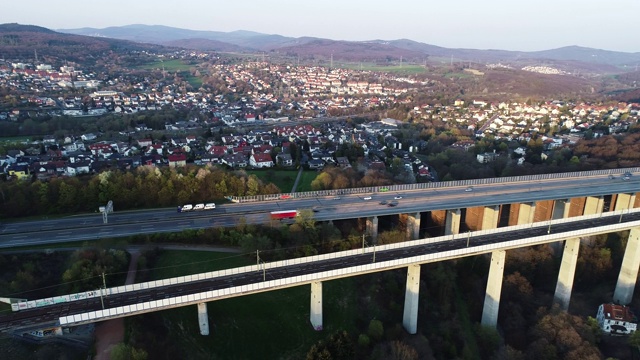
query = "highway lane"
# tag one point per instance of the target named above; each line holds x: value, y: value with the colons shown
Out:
x: 90, y: 227
x: 53, y: 312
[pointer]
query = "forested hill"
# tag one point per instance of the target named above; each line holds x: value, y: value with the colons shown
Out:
x: 23, y: 41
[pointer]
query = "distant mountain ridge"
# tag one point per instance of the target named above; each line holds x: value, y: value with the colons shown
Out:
x: 411, y: 50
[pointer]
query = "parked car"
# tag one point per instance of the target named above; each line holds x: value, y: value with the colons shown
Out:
x: 336, y: 198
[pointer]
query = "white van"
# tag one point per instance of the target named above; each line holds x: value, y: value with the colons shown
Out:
x: 198, y: 207
x: 210, y: 206
x: 186, y: 208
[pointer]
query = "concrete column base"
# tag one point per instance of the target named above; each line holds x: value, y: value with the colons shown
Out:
x: 494, y: 288
x: 316, y: 305
x: 203, y: 318
x: 411, y: 297
x: 629, y: 270
x: 567, y: 273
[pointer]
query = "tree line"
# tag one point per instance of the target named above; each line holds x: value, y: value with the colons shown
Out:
x: 144, y: 187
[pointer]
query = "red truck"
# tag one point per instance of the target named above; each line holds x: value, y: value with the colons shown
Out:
x: 284, y: 214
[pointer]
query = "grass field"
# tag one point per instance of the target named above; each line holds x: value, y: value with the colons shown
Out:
x: 306, y: 179
x: 270, y: 325
x: 169, y: 65
x: 283, y: 179
x: 179, y: 263
x: 195, y: 81
x: 14, y: 139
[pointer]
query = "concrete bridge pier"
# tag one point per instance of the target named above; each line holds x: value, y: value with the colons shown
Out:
x: 411, y: 297
x: 593, y: 205
x: 567, y: 273
x: 561, y: 209
x: 490, y: 220
x: 526, y: 213
x: 316, y: 305
x: 203, y: 318
x: 494, y: 289
x: 452, y: 223
x: 372, y: 228
x: 490, y: 217
x: 413, y: 226
x: 629, y: 270
x: 625, y: 201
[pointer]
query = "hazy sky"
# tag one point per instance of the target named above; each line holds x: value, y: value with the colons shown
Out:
x: 488, y: 24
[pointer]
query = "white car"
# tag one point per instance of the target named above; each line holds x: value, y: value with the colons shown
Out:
x: 366, y: 198
x: 210, y: 206
x: 397, y: 197
x: 468, y: 189
x: 198, y: 207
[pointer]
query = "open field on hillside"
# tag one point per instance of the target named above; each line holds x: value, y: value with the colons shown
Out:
x: 404, y: 68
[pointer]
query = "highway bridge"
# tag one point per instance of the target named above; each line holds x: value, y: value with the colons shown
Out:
x: 548, y: 191
x: 139, y: 298
x: 499, y: 214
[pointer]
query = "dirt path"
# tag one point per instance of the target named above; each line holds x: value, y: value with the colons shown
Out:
x: 111, y: 332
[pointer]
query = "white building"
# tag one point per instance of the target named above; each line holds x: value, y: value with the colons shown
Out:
x: 616, y: 319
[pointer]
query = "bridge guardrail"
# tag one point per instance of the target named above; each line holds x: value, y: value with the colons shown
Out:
x: 422, y: 186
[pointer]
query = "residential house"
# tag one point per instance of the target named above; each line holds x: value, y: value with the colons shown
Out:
x: 88, y: 137
x: 235, y: 160
x: 101, y: 149
x: 616, y: 319
x: 49, y: 140
x: 78, y: 167
x: 284, y: 159
x: 144, y: 142
x: 261, y: 160
x: 316, y: 164
x: 343, y: 162
x: 177, y: 160
x: 19, y: 172
x: 157, y: 148
x: 486, y: 157
x: 13, y: 155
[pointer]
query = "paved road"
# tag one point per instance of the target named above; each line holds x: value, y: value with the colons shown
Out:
x: 90, y: 227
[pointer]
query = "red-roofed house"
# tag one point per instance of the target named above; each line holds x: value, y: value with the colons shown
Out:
x: 177, y: 160
x: 101, y: 149
x: 616, y: 319
x: 144, y: 142
x: 261, y: 160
